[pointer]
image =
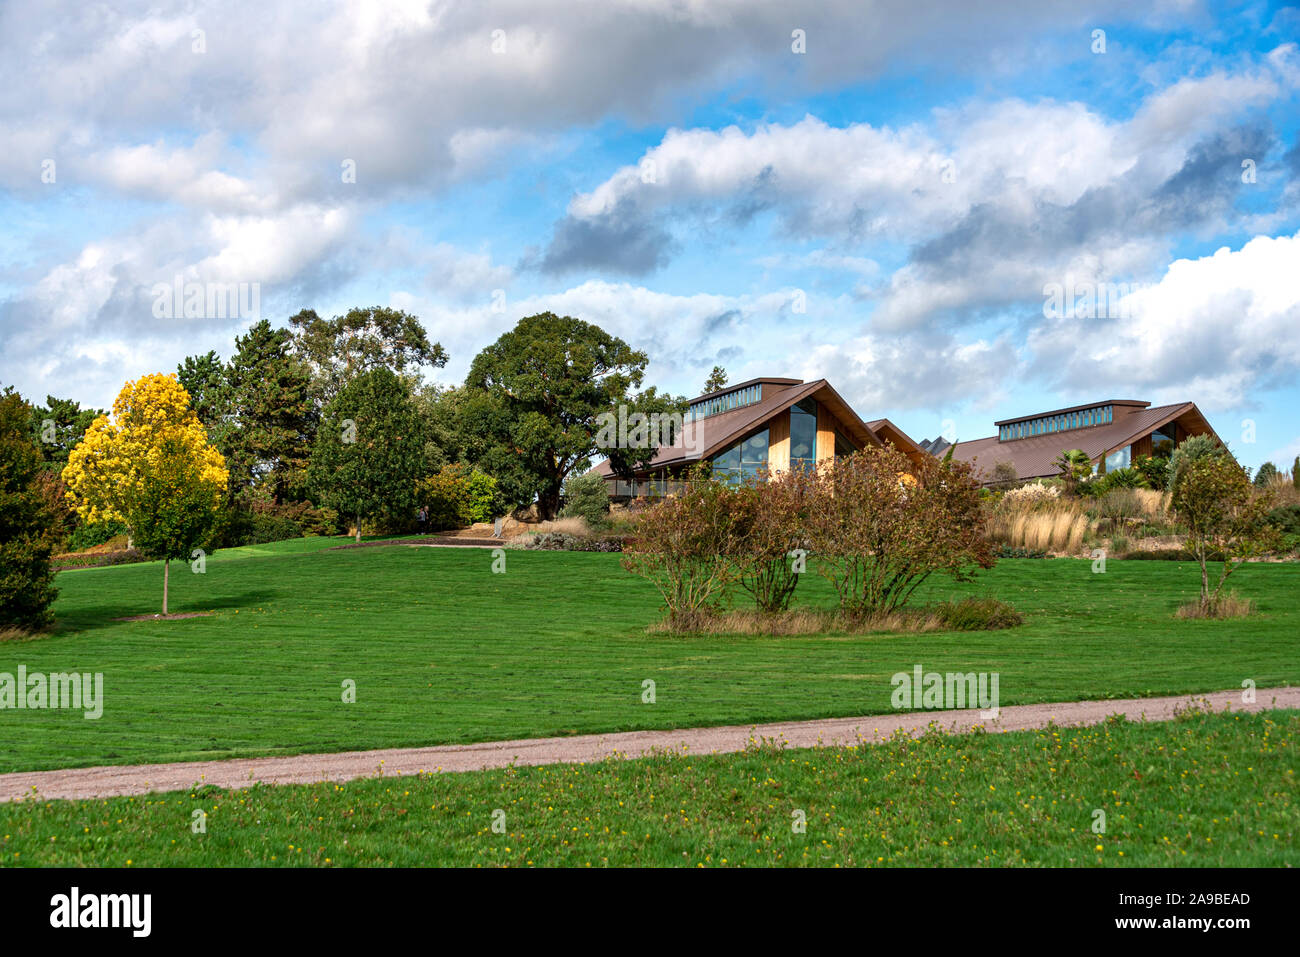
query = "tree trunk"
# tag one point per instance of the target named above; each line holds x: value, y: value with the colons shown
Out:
x: 167, y: 566
x: 548, y: 503
x: 358, y: 526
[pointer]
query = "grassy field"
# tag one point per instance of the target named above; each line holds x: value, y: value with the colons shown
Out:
x: 1203, y: 790
x: 444, y: 651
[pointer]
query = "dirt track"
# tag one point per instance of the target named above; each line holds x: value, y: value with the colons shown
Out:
x: 343, y: 766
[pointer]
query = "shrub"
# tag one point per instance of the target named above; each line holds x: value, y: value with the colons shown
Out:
x: 121, y: 556
x: 1154, y: 471
x: 1169, y: 555
x: 771, y: 518
x: 1119, y: 478
x: 682, y: 546
x: 1194, y: 448
x: 1120, y: 504
x: 971, y: 614
x: 563, y: 541
x: 977, y: 614
x: 1285, y: 518
x: 881, y: 525
x: 1004, y: 475
x: 92, y: 534
x: 587, y: 497
x: 458, y: 496
x: 1006, y: 551
x: 260, y: 522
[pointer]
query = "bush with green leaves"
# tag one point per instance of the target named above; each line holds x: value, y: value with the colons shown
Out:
x: 1119, y: 478
x: 1193, y: 448
x: 90, y: 535
x: 1154, y: 471
x: 586, y: 496
x: 1286, y: 518
x: 458, y: 496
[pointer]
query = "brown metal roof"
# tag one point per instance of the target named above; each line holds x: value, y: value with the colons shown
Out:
x: 1033, y: 457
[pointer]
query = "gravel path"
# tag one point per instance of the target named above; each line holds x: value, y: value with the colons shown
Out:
x: 343, y: 766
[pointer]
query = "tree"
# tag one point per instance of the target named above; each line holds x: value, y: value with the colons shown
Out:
x: 1005, y: 474
x: 716, y: 380
x: 26, y: 523
x: 1074, y: 466
x: 442, y: 417
x: 630, y: 436
x: 205, y: 379
x: 369, y: 451
x: 1212, y: 497
x: 340, y: 349
x: 57, y: 427
x: 534, y: 398
x: 1295, y: 472
x: 276, y: 420
x: 1266, y: 475
x: 152, y: 468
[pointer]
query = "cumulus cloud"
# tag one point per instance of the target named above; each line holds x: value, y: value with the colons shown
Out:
x: 1220, y: 328
x: 993, y: 199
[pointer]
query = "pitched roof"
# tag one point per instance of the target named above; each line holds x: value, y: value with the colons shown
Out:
x: 885, y: 429
x: 1034, y: 456
x: 710, y: 434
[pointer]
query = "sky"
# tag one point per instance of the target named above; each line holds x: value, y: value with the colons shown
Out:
x: 914, y: 200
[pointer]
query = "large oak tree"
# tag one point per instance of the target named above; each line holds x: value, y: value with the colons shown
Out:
x: 533, y: 399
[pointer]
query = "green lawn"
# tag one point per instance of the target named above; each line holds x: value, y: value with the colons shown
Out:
x: 1203, y: 790
x: 442, y: 650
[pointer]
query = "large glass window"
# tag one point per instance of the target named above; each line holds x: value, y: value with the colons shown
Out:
x: 1162, y: 442
x: 745, y: 459
x: 803, y: 434
x: 1118, y: 459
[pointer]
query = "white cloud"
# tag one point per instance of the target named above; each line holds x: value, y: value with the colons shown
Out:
x: 1221, y: 328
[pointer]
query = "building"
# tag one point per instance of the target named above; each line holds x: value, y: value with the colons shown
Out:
x: 757, y: 427
x: 1112, y: 434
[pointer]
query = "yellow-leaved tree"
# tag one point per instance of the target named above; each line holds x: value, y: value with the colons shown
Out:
x: 150, y: 467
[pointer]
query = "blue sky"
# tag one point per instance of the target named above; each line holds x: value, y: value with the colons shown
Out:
x: 885, y: 209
